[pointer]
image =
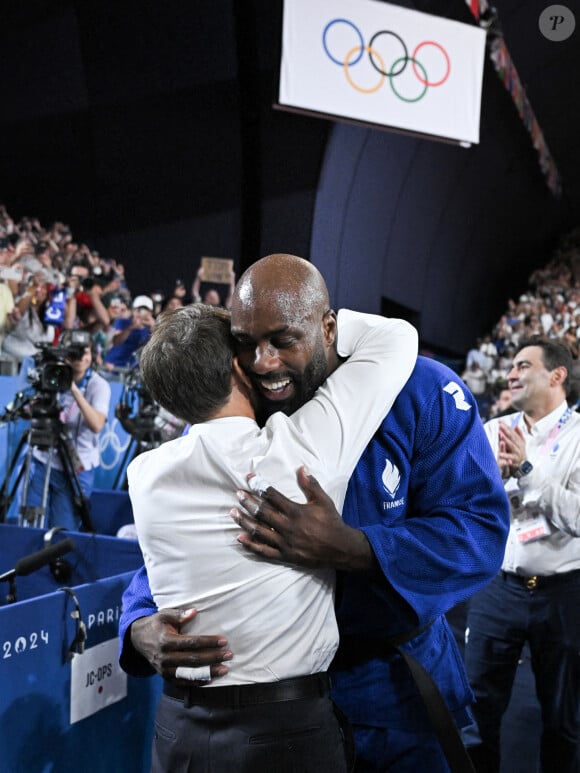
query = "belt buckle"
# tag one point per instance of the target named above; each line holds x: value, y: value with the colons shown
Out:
x: 532, y: 582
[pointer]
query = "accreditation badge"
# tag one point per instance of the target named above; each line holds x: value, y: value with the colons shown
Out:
x: 532, y: 529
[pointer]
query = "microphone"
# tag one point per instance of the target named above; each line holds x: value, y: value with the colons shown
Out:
x: 35, y: 561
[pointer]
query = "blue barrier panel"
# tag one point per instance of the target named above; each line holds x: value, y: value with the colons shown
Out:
x: 62, y: 710
x: 110, y: 510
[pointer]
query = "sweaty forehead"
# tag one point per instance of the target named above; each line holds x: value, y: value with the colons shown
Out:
x: 260, y: 311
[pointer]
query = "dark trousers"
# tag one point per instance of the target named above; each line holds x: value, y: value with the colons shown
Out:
x: 296, y: 736
x: 500, y: 620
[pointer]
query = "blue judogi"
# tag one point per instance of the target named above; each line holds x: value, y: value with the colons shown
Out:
x: 428, y: 494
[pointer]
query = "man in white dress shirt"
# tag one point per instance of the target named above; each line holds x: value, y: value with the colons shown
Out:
x: 271, y: 710
x: 534, y: 598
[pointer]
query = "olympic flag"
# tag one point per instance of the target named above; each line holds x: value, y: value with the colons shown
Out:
x: 382, y: 64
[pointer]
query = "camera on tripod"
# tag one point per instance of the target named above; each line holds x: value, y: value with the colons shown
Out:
x: 52, y: 373
x: 148, y: 424
x: 137, y: 411
x: 51, y: 376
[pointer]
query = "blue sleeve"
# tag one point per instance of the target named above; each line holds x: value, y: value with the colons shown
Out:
x: 122, y: 323
x: 137, y: 602
x: 439, y: 517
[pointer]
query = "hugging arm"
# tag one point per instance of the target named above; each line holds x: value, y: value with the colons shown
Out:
x: 151, y: 640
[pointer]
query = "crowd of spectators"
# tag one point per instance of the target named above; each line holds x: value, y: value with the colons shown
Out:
x: 49, y: 282
x: 550, y: 307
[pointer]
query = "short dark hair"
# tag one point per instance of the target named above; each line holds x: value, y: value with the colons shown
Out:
x: 554, y: 354
x: 186, y: 366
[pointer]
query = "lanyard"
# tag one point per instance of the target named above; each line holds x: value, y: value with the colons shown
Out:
x: 554, y: 432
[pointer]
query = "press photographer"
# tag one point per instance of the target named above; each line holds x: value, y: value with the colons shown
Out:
x: 84, y: 287
x: 81, y: 404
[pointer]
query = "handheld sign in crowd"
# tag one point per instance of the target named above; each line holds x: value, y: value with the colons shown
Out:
x: 218, y: 270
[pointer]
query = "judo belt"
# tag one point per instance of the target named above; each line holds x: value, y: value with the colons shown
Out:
x: 238, y: 695
x: 353, y: 651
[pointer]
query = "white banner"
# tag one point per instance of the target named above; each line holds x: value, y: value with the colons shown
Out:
x: 96, y: 680
x: 382, y: 64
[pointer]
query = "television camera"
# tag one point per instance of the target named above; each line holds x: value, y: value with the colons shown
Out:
x: 52, y: 373
x: 50, y: 376
x: 148, y: 424
x: 137, y: 411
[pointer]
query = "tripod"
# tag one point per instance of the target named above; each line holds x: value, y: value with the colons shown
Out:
x: 143, y: 427
x: 46, y: 433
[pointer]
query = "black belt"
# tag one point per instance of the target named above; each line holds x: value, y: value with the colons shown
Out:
x: 539, y: 581
x: 233, y: 696
x: 356, y: 650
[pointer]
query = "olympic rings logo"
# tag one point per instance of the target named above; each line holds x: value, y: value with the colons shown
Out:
x: 111, y: 445
x: 355, y: 54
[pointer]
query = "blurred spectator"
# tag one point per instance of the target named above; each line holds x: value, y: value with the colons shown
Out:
x: 131, y: 334
x: 43, y: 254
x: 158, y: 302
x: 179, y: 291
x: 97, y: 320
x: 78, y: 302
x: 211, y: 296
x: 546, y: 318
x: 6, y: 307
x: 502, y: 405
x: 501, y: 365
x: 87, y: 284
x: 476, y: 355
x: 489, y: 351
x: 476, y: 379
x: 6, y: 294
x: 116, y: 308
x: 570, y: 338
x: 26, y: 324
x: 173, y: 302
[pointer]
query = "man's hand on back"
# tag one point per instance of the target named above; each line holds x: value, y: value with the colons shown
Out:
x: 311, y: 534
x: 158, y: 639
